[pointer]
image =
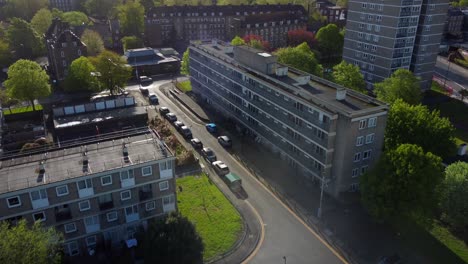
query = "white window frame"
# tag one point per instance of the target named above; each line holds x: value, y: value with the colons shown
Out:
x: 357, y: 157
x: 134, y: 209
x: 112, y: 219
x: 42, y: 194
x: 370, y: 138
x: 85, y: 208
x: 146, y: 174
x: 41, y: 219
x: 68, y: 231
x: 163, y: 188
x: 15, y: 205
x: 108, y: 183
x: 127, y: 175
x: 150, y: 206
x: 86, y: 181
x: 92, y: 243
x: 362, y: 124
x: 61, y: 194
x: 359, y: 141
x: 70, y: 250
x: 368, y: 153
x: 372, y: 122
x: 126, y: 198
x: 93, y: 219
x: 355, y: 173
x: 364, y: 169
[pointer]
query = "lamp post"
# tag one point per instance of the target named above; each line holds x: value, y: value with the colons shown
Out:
x: 449, y: 57
x: 322, y: 186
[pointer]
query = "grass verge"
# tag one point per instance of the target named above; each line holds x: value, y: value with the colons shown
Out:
x: 184, y: 86
x: 23, y: 109
x: 456, y: 245
x: 215, y: 218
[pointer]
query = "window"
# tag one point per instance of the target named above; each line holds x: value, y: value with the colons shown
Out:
x: 131, y: 210
x: 362, y: 124
x: 168, y: 199
x: 163, y: 185
x: 150, y: 206
x: 357, y: 157
x: 146, y: 171
x: 377, y: 28
x: 364, y: 169
x: 64, y: 63
x: 378, y: 18
x: 64, y: 45
x: 92, y: 220
x: 364, y: 5
x: 84, y: 206
x: 125, y: 175
x: 370, y: 138
x: 372, y: 121
x: 111, y: 216
x: 354, y: 187
x: 69, y: 228
x: 359, y: 141
x: 366, y: 154
x: 125, y: 195
x: 85, y: 184
x: 62, y: 190
x: 355, y: 173
x: 361, y: 26
x: 71, y: 249
x: 39, y: 217
x: 369, y: 26
x: 62, y: 54
x: 106, y: 180
x: 91, y: 241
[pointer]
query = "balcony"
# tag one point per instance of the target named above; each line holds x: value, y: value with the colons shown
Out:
x: 106, y: 205
x: 62, y: 215
x: 145, y: 195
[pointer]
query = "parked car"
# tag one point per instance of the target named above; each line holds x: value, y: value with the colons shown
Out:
x: 196, y: 143
x: 171, y: 117
x: 186, y: 132
x: 144, y: 90
x: 225, y: 141
x: 178, y: 125
x: 145, y: 80
x: 153, y: 99
x: 220, y: 167
x: 163, y: 110
x: 211, y: 127
x: 234, y: 182
x: 208, y: 154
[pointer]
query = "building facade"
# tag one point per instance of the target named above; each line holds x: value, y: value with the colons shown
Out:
x: 148, y: 62
x: 324, y: 131
x: 382, y: 37
x: 334, y: 14
x: 64, y: 5
x: 97, y: 193
x: 167, y: 24
x: 454, y: 23
x: 63, y: 47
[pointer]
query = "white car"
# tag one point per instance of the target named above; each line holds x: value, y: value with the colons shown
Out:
x: 220, y: 167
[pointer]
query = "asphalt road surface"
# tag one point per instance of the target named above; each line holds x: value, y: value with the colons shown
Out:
x: 457, y: 77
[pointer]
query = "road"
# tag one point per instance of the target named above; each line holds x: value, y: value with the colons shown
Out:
x: 457, y: 77
x: 285, y: 234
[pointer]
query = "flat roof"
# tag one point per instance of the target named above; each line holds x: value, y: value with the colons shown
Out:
x: 65, y: 162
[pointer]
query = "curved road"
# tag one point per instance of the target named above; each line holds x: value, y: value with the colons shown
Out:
x: 285, y: 234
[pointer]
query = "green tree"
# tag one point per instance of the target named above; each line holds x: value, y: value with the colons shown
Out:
x: 113, y: 69
x: 454, y: 203
x: 27, y: 81
x: 132, y: 42
x: 24, y: 9
x: 330, y: 41
x: 6, y: 100
x: 100, y: 8
x: 80, y: 76
x: 23, y: 244
x: 401, y: 85
x: 172, y: 240
x: 131, y: 16
x: 463, y: 3
x: 237, y: 41
x: 316, y: 17
x: 342, y: 3
x: 75, y: 18
x: 56, y: 13
x: 93, y: 41
x: 300, y: 57
x: 349, y: 76
x: 23, y: 39
x: 42, y: 21
x: 184, y: 66
x: 5, y: 53
x: 417, y: 125
x: 403, y: 184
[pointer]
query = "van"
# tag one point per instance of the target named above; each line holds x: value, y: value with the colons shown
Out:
x: 233, y: 181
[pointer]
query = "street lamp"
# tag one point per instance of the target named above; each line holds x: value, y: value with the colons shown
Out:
x: 449, y: 57
x: 322, y: 186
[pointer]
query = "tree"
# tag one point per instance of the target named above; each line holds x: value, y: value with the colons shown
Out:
x: 75, y: 18
x: 100, y: 8
x: 42, y: 21
x: 23, y: 39
x: 93, y: 41
x: 5, y: 53
x: 113, y: 69
x: 296, y: 37
x: 403, y: 183
x: 317, y: 18
x: 454, y: 203
x: 131, y: 16
x: 27, y: 81
x: 401, y: 85
x: 6, y: 100
x: 257, y: 42
x: 330, y: 41
x: 24, y: 9
x: 342, y: 3
x: 80, y: 76
x: 23, y: 244
x: 184, y: 65
x: 132, y: 42
x: 349, y: 76
x: 172, y: 240
x: 300, y: 57
x: 417, y: 125
x: 463, y: 3
x: 237, y: 41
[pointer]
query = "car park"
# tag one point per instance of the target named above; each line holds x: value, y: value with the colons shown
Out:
x: 163, y: 110
x: 196, y: 143
x: 171, y: 117
x: 225, y: 141
x: 220, y: 167
x: 153, y: 99
x: 208, y: 154
x: 211, y: 127
x: 178, y: 125
x: 186, y: 132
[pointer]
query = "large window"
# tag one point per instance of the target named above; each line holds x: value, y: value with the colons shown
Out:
x: 85, y: 184
x: 359, y: 141
x: 84, y: 205
x: 362, y: 124
x: 62, y: 190
x: 146, y: 171
x: 106, y: 180
x: 125, y: 195
x: 39, y: 195
x: 163, y: 185
x: 70, y: 227
x: 14, y: 201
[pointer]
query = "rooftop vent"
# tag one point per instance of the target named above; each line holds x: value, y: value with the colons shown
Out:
x: 85, y: 161
x: 40, y: 177
x: 281, y: 71
x: 341, y: 94
x: 229, y: 49
x: 301, y: 80
x: 125, y: 152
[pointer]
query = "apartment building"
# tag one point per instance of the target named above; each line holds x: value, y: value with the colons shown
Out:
x: 64, y: 5
x: 383, y: 36
x: 325, y: 131
x: 97, y: 191
x: 166, y: 24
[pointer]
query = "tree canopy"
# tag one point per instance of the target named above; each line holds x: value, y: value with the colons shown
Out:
x: 80, y: 76
x: 172, y: 240
x: 404, y: 183
x: 5, y: 54
x: 75, y: 18
x: 299, y: 36
x: 401, y: 85
x: 237, y: 41
x: 23, y: 244
x: 132, y: 42
x: 257, y: 42
x: 93, y: 41
x: 184, y: 65
x: 100, y: 8
x: 131, y: 16
x: 330, y: 41
x: 27, y: 81
x: 417, y: 125
x: 349, y: 76
x: 42, y: 21
x: 300, y: 57
x: 454, y: 203
x: 113, y: 69
x: 23, y: 39
x: 24, y: 9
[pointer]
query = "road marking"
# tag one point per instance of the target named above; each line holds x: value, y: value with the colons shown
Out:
x: 262, y: 235
x: 295, y: 216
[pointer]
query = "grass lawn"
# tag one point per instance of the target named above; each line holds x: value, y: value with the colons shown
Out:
x: 215, y: 218
x: 23, y: 109
x: 456, y: 245
x: 185, y: 86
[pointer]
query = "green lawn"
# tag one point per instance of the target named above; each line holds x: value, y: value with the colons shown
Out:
x: 24, y: 109
x: 215, y: 218
x: 456, y: 245
x: 185, y: 86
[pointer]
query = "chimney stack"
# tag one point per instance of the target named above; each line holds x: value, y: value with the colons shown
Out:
x: 340, y: 94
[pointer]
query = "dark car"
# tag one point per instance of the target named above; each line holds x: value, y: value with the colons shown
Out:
x: 196, y: 143
x: 211, y: 127
x: 208, y: 154
x: 163, y: 110
x: 178, y: 125
x: 186, y: 132
x: 153, y: 99
x: 225, y: 141
x: 171, y: 117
